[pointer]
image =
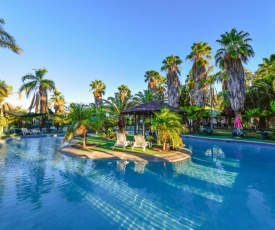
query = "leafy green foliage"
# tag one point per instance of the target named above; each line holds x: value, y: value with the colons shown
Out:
x: 272, y: 106
x: 194, y: 112
x: 171, y: 63
x: 124, y: 92
x: 115, y: 105
x: 234, y: 45
x: 8, y: 41
x: 168, y: 126
x: 253, y: 112
x: 146, y: 96
x: 80, y: 117
x: 200, y: 54
x: 40, y: 86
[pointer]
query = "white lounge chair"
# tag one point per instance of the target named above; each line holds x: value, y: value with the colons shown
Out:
x: 26, y: 131
x: 35, y: 131
x: 121, y: 140
x: 140, y: 142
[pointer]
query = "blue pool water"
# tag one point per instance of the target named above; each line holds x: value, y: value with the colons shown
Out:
x: 223, y: 186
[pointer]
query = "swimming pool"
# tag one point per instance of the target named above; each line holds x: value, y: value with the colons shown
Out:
x: 223, y: 186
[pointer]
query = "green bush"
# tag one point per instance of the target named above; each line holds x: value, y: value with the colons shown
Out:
x: 272, y: 135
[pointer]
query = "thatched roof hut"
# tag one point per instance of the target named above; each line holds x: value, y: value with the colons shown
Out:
x: 147, y: 109
x: 150, y: 107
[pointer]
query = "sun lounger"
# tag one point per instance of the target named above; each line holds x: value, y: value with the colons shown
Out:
x: 26, y: 131
x: 35, y: 131
x: 121, y: 140
x: 140, y: 142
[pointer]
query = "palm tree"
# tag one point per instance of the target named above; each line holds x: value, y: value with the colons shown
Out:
x: 146, y: 96
x: 221, y: 77
x: 200, y: 55
x: 235, y: 51
x: 58, y: 101
x: 98, y: 88
x: 124, y: 92
x: 39, y: 85
x: 259, y: 95
x: 80, y: 117
x: 6, y: 40
x: 151, y: 78
x: 169, y: 127
x: 171, y: 64
x: 5, y: 90
x: 185, y: 96
x: 267, y: 69
x: 194, y: 113
x: 115, y: 105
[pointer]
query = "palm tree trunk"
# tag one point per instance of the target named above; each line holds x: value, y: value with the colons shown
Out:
x: 173, y: 88
x: 121, y: 123
x: 235, y: 74
x: 152, y: 85
x: 200, y: 75
x: 98, y: 99
x: 84, y: 142
x: 164, y: 143
x: 41, y: 102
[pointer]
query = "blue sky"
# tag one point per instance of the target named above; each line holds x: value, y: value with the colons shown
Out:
x: 79, y: 41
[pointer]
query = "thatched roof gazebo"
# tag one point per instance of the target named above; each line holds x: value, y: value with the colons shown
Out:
x: 147, y: 109
x: 150, y: 107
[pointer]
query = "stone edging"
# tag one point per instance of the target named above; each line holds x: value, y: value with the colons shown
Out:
x: 229, y: 140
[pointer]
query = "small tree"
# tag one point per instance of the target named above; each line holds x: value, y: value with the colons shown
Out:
x: 81, y: 121
x: 169, y: 127
x: 195, y: 113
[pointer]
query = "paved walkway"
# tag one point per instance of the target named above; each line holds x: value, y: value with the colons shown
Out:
x: 175, y: 156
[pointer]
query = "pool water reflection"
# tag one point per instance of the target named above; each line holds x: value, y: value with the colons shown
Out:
x: 223, y: 186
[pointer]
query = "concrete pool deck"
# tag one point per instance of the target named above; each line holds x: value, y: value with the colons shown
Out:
x: 174, y: 156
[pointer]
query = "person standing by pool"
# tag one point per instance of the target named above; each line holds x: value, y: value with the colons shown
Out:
x: 238, y: 126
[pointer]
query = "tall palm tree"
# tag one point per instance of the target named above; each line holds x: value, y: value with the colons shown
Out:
x: 6, y: 40
x: 235, y: 51
x: 151, y: 78
x: 58, y: 101
x: 124, y: 92
x: 171, y: 64
x: 200, y: 55
x: 98, y: 88
x: 40, y: 86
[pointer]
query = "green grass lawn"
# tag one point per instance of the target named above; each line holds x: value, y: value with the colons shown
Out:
x: 106, y: 145
x: 227, y: 134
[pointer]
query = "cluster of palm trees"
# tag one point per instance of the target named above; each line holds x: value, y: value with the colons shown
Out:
x: 235, y: 50
x: 243, y: 92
